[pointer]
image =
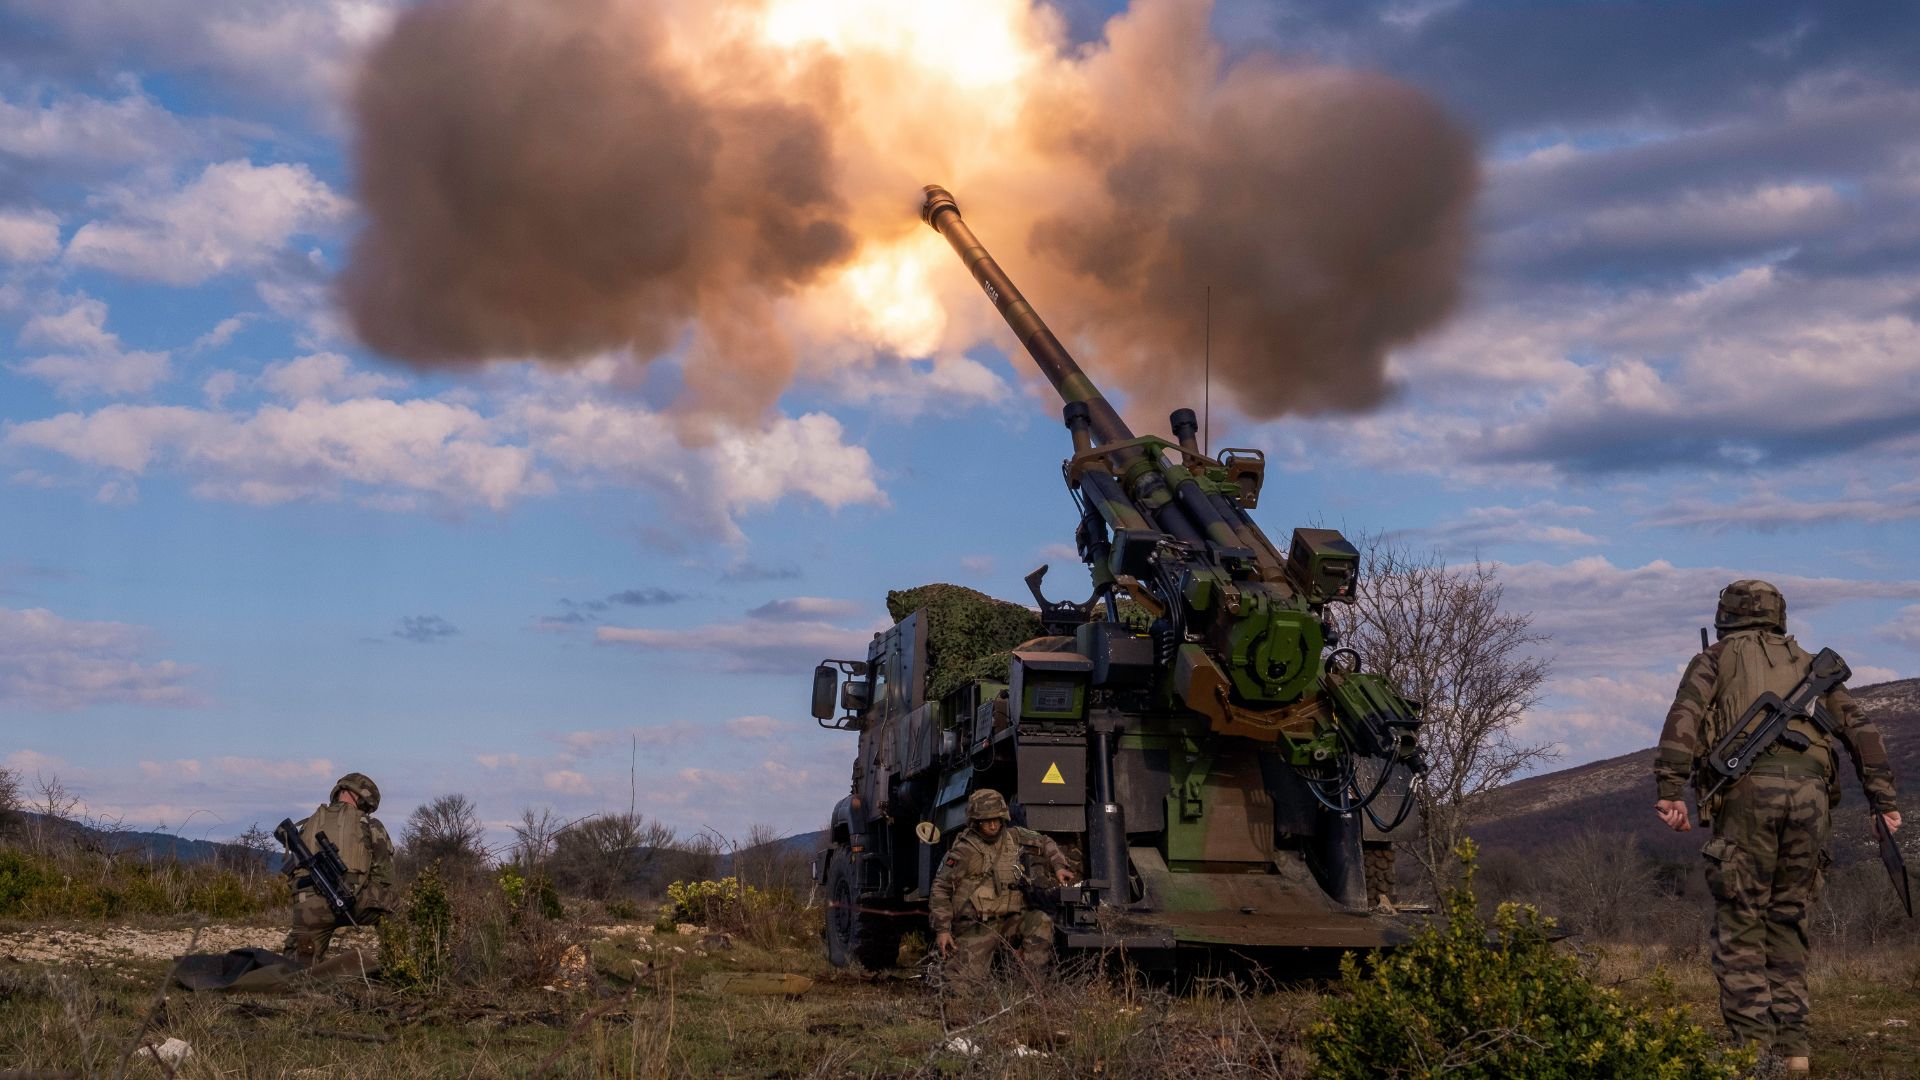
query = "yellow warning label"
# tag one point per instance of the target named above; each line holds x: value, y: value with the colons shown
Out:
x: 1053, y: 775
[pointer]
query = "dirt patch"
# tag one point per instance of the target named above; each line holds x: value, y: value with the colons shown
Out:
x: 119, y: 944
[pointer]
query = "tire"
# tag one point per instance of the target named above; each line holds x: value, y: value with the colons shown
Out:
x: 855, y: 935
x: 1379, y: 867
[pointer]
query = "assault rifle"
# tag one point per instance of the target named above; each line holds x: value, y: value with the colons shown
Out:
x: 324, y: 869
x: 1765, y: 723
x: 1896, y: 866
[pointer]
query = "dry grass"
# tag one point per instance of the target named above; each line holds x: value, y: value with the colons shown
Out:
x: 643, y: 1011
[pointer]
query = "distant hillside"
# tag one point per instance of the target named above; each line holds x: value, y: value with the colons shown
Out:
x: 1616, y: 795
x: 156, y: 846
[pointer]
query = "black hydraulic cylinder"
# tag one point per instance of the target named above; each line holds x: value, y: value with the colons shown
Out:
x: 1342, y: 860
x: 1106, y: 823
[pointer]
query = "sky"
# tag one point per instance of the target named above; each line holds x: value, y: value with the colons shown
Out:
x: 243, y: 552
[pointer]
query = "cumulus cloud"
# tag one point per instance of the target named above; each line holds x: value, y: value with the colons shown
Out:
x: 327, y: 376
x: 1761, y: 368
x: 313, y: 449
x: 1905, y: 627
x: 77, y: 136
x: 457, y: 450
x: 61, y: 665
x: 750, y: 645
x: 424, y: 629
x: 87, y: 358
x: 1602, y: 617
x: 1481, y: 527
x: 234, y: 216
x: 806, y: 609
x: 29, y: 235
x: 300, y: 50
x: 739, y: 470
x: 1767, y: 508
x: 756, y: 727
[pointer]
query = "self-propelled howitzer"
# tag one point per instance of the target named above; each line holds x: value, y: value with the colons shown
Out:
x: 1191, y: 733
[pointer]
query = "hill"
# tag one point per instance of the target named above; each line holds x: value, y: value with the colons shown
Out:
x: 1616, y: 795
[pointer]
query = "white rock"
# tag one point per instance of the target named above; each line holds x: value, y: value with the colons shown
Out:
x: 960, y: 1044
x: 173, y: 1051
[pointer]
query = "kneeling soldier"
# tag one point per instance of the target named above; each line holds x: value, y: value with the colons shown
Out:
x: 365, y: 850
x: 979, y: 901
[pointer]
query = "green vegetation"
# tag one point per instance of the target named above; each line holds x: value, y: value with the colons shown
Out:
x: 82, y: 885
x: 1476, y: 1000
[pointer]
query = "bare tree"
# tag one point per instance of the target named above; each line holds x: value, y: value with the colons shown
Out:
x: 9, y: 802
x: 1439, y: 632
x: 250, y: 853
x: 446, y: 830
x: 1599, y: 881
x: 534, y: 838
x: 52, y: 808
x: 695, y: 859
x: 609, y: 854
x: 766, y: 861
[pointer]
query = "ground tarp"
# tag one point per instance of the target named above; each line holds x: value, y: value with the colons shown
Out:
x: 264, y: 970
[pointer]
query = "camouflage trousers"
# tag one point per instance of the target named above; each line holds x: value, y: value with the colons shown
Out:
x: 1029, y: 934
x: 1764, y: 868
x: 314, y: 924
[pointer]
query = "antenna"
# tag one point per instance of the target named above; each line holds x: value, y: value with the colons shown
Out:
x: 1206, y: 384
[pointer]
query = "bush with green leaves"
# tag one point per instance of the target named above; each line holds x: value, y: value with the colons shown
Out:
x: 1470, y: 1000
x: 723, y: 904
x: 416, y: 941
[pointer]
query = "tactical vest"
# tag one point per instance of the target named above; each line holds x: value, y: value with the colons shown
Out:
x: 997, y: 886
x: 346, y: 827
x: 1754, y: 662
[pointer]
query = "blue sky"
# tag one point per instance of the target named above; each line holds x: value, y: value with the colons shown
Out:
x: 241, y: 553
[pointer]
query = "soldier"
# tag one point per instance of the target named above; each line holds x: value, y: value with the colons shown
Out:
x: 365, y: 849
x: 979, y: 902
x: 1770, y: 828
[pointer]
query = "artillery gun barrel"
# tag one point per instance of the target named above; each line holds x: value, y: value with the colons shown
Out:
x: 1185, y: 514
x: 943, y: 214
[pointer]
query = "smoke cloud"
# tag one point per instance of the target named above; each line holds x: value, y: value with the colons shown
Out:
x: 734, y: 184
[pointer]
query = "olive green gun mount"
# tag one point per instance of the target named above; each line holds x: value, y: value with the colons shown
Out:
x: 1192, y: 734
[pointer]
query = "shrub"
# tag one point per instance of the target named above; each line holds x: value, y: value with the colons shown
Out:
x: 415, y: 941
x: 22, y: 878
x: 1476, y: 1001
x: 223, y: 898
x: 723, y: 904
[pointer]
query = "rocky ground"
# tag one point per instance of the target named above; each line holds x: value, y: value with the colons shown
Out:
x: 95, y: 943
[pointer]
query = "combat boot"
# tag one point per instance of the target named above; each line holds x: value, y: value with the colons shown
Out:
x: 304, y: 952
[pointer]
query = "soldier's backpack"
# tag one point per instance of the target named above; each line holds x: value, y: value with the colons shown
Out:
x: 343, y: 826
x: 1754, y: 662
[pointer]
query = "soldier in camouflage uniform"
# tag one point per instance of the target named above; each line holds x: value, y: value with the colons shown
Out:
x: 365, y: 849
x: 1770, y: 828
x: 979, y: 901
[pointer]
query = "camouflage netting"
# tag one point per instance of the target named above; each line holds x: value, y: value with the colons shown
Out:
x: 969, y: 634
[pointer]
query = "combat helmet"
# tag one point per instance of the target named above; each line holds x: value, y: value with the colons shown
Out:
x: 987, y: 804
x: 363, y: 788
x: 1751, y: 604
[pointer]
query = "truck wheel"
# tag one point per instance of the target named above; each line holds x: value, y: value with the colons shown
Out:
x: 867, y: 938
x: 1379, y: 865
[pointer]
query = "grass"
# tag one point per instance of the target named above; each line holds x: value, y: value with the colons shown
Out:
x: 643, y: 1012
